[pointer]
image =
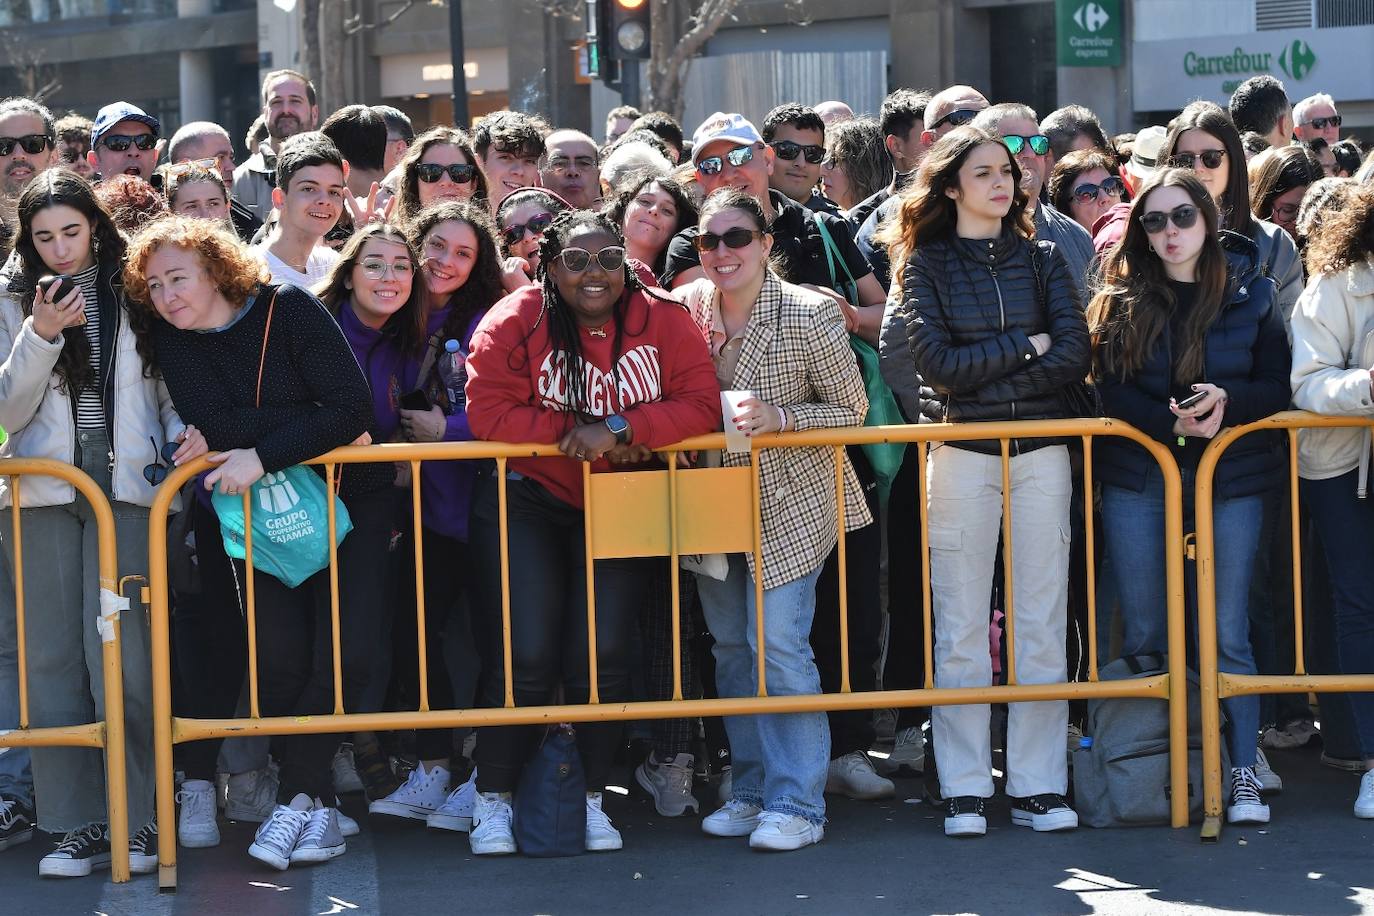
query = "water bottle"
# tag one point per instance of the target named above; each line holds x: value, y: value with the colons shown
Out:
x: 453, y: 373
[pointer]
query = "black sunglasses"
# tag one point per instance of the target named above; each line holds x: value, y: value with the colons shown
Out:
x: 1323, y: 123
x: 733, y: 238
x: 1112, y: 187
x: 577, y: 260
x: 1184, y: 216
x: 33, y: 144
x: 787, y: 151
x: 1211, y: 159
x: 121, y: 142
x: 157, y: 472
x: 737, y: 157
x: 536, y: 226
x: 458, y: 172
x: 957, y: 118
x: 1039, y: 143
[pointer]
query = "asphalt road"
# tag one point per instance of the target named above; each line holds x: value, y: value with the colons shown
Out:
x: 876, y: 858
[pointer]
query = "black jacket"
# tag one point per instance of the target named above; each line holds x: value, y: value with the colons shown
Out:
x: 972, y: 307
x: 1245, y: 352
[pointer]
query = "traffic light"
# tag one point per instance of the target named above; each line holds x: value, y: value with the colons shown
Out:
x: 593, y: 16
x: 627, y: 29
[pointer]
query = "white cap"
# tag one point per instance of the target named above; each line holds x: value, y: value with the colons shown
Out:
x: 1145, y: 152
x: 721, y: 126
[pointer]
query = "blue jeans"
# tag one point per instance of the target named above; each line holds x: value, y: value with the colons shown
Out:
x: 16, y: 778
x: 778, y: 762
x: 1133, y: 525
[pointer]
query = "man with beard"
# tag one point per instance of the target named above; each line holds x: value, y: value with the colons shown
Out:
x: 289, y: 107
x: 26, y: 148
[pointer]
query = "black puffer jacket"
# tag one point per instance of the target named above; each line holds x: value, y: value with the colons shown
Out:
x: 1245, y: 352
x: 972, y: 307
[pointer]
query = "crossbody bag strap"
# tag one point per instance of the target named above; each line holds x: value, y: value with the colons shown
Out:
x: 431, y: 355
x: 832, y: 254
x: 262, y: 356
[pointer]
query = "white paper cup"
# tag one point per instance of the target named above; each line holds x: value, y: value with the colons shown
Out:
x: 736, y: 441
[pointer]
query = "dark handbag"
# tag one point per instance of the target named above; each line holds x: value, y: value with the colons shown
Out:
x: 550, y: 807
x: 183, y: 561
x: 1081, y: 398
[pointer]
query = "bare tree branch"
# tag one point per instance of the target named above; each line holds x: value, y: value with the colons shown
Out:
x: 672, y: 54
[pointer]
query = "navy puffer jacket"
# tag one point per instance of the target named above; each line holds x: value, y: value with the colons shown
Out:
x: 1245, y: 352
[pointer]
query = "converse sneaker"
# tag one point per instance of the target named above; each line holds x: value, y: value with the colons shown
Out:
x: 781, y: 832
x: 1246, y: 806
x: 670, y: 783
x: 601, y: 834
x: 320, y: 839
x: 143, y: 850
x: 251, y: 796
x: 16, y: 822
x: 456, y: 811
x: 196, y: 827
x: 276, y: 838
x: 420, y: 797
x: 1270, y: 782
x: 853, y: 775
x: 347, y: 826
x: 734, y: 818
x: 1364, y: 802
x: 491, y: 833
x: 908, y: 753
x: 345, y: 771
x: 80, y: 851
x: 964, y: 816
x: 1043, y: 813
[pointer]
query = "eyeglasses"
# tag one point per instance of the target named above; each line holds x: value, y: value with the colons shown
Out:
x: 563, y: 163
x: 712, y: 165
x: 33, y: 144
x: 121, y: 142
x: 957, y: 118
x: 1285, y: 212
x: 157, y: 472
x: 1323, y: 123
x: 1211, y: 159
x: 788, y: 151
x: 1086, y: 192
x: 184, y: 168
x: 579, y: 259
x: 1039, y: 144
x: 536, y: 226
x: 376, y: 270
x: 1183, y: 216
x: 458, y: 172
x: 733, y: 238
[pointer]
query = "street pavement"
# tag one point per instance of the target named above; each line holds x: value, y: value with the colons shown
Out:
x: 876, y: 858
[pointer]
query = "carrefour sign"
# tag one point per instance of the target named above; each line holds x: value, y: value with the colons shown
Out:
x: 1169, y: 74
x: 1088, y: 33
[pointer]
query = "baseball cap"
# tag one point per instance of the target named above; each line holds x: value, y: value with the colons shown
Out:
x: 722, y: 126
x: 1145, y: 152
x: 115, y: 112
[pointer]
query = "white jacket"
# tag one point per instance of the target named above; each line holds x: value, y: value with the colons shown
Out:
x: 1333, y: 351
x: 40, y: 418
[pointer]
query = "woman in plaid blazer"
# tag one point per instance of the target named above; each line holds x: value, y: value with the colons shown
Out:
x: 788, y: 346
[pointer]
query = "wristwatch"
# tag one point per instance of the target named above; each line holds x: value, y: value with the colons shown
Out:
x: 620, y: 428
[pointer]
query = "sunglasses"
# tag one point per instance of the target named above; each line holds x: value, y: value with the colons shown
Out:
x: 712, y: 165
x: 733, y: 238
x: 1039, y: 144
x: 33, y: 144
x: 121, y: 142
x: 1112, y: 187
x: 579, y: 259
x: 1184, y: 216
x: 458, y: 172
x: 157, y: 472
x: 376, y: 270
x: 957, y: 118
x: 184, y: 168
x: 788, y: 151
x: 536, y: 226
x: 1211, y: 159
x: 1323, y: 123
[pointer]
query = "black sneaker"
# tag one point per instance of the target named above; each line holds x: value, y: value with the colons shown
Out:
x: 16, y: 822
x: 143, y: 850
x: 964, y: 816
x: 1246, y: 805
x: 1043, y: 813
x: 80, y: 851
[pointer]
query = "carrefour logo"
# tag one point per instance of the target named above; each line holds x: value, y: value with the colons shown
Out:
x: 1297, y: 60
x: 1090, y: 17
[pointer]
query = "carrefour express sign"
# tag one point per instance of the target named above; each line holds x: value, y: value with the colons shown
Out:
x: 1169, y: 74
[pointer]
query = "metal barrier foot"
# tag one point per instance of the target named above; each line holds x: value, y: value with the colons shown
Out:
x: 1211, y: 829
x: 166, y: 879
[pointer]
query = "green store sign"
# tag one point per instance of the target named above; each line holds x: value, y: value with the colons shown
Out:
x: 1295, y: 60
x: 1088, y: 33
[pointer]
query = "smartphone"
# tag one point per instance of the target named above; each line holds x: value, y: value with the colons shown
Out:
x: 415, y: 400
x: 1192, y: 400
x: 65, y: 285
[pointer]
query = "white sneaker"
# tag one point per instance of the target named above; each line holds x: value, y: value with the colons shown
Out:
x: 670, y: 783
x: 347, y: 826
x: 1246, y: 805
x: 601, y: 833
x: 1270, y: 782
x: 420, y: 796
x: 853, y: 775
x: 734, y: 818
x: 1364, y: 802
x: 908, y: 752
x: 781, y: 832
x: 251, y: 796
x: 320, y: 839
x: 456, y: 811
x: 345, y: 771
x: 277, y: 837
x: 491, y: 833
x: 196, y: 827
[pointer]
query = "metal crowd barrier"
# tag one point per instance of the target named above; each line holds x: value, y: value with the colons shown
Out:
x: 107, y: 734
x: 669, y: 513
x: 1217, y: 685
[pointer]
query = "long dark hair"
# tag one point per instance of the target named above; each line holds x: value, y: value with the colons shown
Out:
x: 63, y: 188
x: 1211, y: 118
x: 1278, y: 171
x: 483, y: 286
x: 686, y: 210
x: 408, y: 196
x: 927, y: 213
x: 1132, y: 310
x: 407, y: 324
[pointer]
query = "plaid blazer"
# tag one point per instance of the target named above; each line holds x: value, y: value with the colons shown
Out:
x: 796, y: 355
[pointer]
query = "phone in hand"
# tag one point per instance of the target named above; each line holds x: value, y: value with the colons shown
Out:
x: 1192, y: 400
x: 65, y: 285
x: 415, y: 400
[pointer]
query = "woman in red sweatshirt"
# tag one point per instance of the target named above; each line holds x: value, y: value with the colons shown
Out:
x: 594, y: 362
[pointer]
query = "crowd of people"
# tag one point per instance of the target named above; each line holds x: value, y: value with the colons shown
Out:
x: 948, y: 261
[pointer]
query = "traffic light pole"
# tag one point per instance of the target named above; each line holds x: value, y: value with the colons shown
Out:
x: 460, y: 77
x: 629, y: 83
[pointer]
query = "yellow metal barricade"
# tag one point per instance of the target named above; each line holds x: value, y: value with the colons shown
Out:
x: 107, y: 734
x: 1217, y: 685
x: 669, y: 513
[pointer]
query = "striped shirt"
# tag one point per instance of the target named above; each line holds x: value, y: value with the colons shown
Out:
x: 90, y: 408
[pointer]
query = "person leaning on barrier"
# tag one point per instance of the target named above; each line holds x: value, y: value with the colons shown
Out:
x: 996, y: 328
x: 1333, y: 365
x: 594, y: 362
x: 77, y: 386
x: 1184, y: 311
x: 264, y: 371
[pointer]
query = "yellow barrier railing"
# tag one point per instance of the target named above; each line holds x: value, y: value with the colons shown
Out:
x: 109, y: 733
x: 669, y: 513
x: 1217, y: 685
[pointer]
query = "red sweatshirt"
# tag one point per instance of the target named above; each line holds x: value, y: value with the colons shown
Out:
x: 518, y: 388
